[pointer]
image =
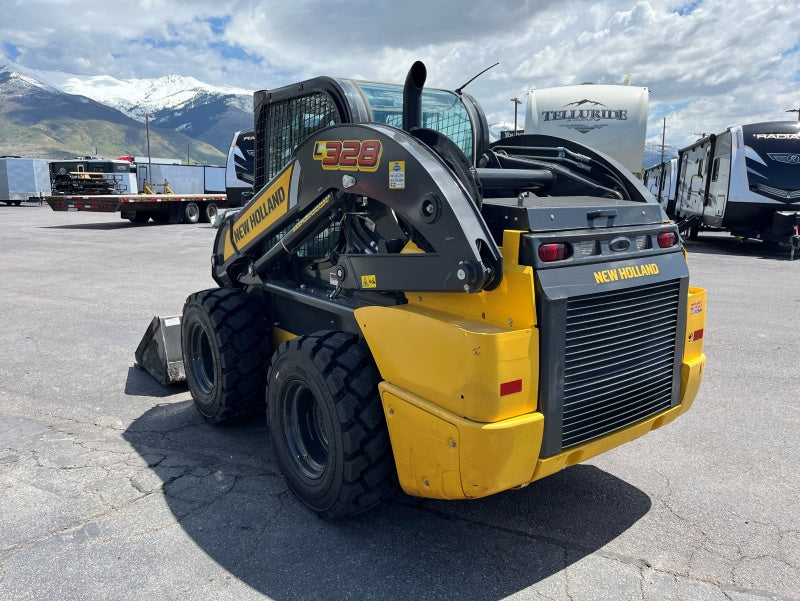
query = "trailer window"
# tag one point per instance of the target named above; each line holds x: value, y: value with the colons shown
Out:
x: 441, y: 110
x: 715, y: 170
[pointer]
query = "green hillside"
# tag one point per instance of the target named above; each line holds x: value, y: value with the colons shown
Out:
x: 70, y: 137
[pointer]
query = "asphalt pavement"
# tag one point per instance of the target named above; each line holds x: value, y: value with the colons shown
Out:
x: 113, y: 487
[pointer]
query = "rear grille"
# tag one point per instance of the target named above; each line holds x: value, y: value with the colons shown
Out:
x: 619, y: 359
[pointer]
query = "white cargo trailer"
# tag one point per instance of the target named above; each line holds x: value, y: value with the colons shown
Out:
x: 23, y: 179
x: 181, y: 179
x: 610, y: 118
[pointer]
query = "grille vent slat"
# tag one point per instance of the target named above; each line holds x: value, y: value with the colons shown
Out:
x: 619, y: 359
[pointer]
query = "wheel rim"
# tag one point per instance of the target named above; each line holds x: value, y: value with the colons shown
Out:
x: 192, y: 212
x: 307, y: 430
x: 202, y: 360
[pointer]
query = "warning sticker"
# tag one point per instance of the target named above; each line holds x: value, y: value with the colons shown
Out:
x: 369, y: 281
x: 397, y: 175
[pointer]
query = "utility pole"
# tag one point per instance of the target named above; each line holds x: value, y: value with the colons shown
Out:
x: 188, y: 144
x: 149, y: 160
x: 795, y: 111
x: 516, y: 102
x: 663, y: 137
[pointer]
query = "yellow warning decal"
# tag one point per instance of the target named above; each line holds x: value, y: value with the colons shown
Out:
x: 369, y: 281
x: 397, y: 175
x: 625, y: 273
x: 267, y: 208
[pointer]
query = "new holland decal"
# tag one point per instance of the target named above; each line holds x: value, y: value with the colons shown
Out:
x: 264, y: 211
x: 348, y: 155
x: 607, y: 276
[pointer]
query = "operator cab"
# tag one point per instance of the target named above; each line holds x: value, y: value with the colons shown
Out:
x: 286, y: 116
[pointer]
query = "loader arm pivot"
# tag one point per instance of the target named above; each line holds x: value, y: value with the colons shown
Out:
x: 431, y: 237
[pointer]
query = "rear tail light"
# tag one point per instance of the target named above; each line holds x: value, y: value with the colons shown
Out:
x: 553, y: 252
x: 667, y: 239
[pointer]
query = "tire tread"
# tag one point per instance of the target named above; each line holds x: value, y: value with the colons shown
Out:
x: 242, y: 335
x: 369, y: 473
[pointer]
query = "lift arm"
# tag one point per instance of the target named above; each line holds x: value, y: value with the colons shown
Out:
x: 376, y: 164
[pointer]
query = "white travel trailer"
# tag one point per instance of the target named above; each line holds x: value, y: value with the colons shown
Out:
x: 610, y: 118
x: 745, y: 180
x: 23, y: 179
x: 240, y: 167
x: 661, y: 181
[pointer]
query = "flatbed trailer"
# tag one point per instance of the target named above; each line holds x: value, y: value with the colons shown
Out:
x: 140, y: 208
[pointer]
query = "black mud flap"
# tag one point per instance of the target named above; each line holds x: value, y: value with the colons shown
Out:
x: 159, y: 352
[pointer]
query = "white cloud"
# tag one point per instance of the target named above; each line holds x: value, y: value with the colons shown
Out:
x: 709, y: 63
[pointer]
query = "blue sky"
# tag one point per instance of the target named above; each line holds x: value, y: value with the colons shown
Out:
x: 708, y: 63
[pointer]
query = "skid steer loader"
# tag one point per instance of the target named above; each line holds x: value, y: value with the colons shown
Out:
x: 413, y: 304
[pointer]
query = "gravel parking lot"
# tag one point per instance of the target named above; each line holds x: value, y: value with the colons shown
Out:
x: 112, y: 486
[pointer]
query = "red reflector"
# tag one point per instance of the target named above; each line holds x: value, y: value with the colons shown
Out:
x: 510, y: 387
x: 698, y: 334
x: 666, y: 239
x: 552, y: 252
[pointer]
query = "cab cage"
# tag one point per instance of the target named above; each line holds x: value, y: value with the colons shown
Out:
x: 286, y: 116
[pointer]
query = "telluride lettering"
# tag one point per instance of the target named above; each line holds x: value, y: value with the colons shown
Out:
x: 585, y: 115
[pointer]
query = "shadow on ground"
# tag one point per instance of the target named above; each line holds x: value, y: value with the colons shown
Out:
x: 225, y: 491
x: 140, y: 383
x: 721, y: 243
x: 110, y: 225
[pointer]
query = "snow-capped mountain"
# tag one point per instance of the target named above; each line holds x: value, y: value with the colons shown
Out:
x: 652, y: 154
x: 136, y: 97
x: 20, y: 78
x: 209, y: 114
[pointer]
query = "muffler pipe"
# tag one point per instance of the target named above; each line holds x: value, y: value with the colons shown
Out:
x: 412, y: 96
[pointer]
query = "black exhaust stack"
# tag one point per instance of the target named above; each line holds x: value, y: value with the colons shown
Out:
x: 412, y: 96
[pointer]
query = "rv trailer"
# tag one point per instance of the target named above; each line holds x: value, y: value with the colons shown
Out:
x: 745, y: 180
x: 240, y: 168
x: 661, y: 180
x: 609, y: 118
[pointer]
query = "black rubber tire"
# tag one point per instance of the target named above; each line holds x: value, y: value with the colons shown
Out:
x: 693, y: 232
x: 327, y: 424
x: 209, y: 212
x: 139, y: 217
x: 226, y: 346
x: 191, y: 213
